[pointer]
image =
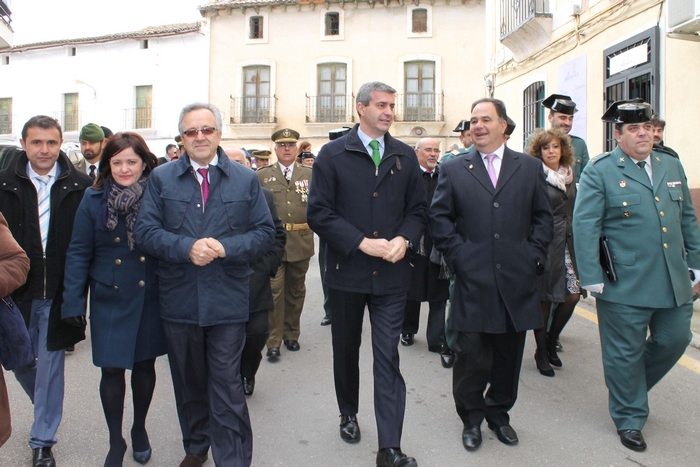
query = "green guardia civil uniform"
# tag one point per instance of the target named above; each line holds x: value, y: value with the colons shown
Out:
x: 654, y: 238
x: 580, y: 156
x: 452, y: 154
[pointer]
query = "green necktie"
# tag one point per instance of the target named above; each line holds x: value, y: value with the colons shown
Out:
x: 374, y: 144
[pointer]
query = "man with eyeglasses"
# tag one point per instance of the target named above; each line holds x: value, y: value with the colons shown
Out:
x: 206, y: 220
x: 289, y: 181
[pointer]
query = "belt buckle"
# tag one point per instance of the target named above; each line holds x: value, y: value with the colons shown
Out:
x: 289, y: 226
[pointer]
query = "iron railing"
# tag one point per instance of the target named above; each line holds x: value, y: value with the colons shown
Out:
x: 254, y: 109
x: 5, y: 123
x: 70, y: 121
x: 139, y: 118
x: 515, y: 13
x: 5, y: 13
x: 329, y: 109
x: 419, y: 107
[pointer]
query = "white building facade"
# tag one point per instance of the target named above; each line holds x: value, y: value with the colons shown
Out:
x: 136, y: 81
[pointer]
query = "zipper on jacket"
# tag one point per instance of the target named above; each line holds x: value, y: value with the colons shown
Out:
x: 376, y: 171
x: 44, y: 265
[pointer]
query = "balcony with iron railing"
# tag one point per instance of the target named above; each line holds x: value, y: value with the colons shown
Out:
x: 139, y: 118
x: 70, y: 121
x: 5, y: 123
x: 251, y: 110
x: 329, y: 109
x: 419, y: 107
x: 5, y: 25
x: 526, y: 26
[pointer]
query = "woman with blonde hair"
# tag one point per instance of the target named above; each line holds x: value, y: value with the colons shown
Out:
x: 559, y: 284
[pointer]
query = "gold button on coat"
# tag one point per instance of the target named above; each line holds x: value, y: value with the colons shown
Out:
x: 661, y: 214
x: 142, y: 259
x: 117, y: 239
x: 118, y: 262
x: 142, y: 284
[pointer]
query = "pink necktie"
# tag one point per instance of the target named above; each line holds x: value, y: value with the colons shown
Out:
x: 491, y: 169
x: 205, y: 184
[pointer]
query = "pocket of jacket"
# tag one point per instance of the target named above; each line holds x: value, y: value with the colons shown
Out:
x: 237, y: 209
x: 174, y: 210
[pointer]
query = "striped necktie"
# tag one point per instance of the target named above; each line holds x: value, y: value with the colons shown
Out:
x: 44, y: 197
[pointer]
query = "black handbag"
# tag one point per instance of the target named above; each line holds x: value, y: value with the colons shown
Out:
x: 15, y: 346
x: 606, y: 259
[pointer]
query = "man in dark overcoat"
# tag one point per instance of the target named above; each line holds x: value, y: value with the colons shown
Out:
x: 429, y: 279
x: 491, y: 218
x: 368, y: 204
x: 261, y: 301
x: 39, y: 196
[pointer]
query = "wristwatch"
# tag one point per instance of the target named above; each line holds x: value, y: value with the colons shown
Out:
x: 409, y: 245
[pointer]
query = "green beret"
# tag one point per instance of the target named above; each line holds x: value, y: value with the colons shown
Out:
x: 92, y: 132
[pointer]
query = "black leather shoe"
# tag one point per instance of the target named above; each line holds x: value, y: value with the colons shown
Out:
x: 505, y: 434
x: 248, y: 386
x: 407, y: 339
x: 349, y: 429
x: 632, y: 439
x: 542, y: 362
x: 273, y: 352
x: 552, y: 353
x: 471, y: 437
x: 447, y: 358
x: 193, y: 460
x: 43, y: 457
x: 292, y: 345
x: 393, y: 457
x: 142, y: 457
x: 558, y: 346
x: 326, y: 321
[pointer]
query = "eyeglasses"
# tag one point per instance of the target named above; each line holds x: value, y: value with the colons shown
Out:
x: 192, y: 133
x: 287, y: 145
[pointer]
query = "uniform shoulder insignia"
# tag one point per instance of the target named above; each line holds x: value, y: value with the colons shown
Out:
x: 597, y: 158
x: 455, y: 152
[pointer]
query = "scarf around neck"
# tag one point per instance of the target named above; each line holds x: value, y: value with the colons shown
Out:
x: 124, y: 201
x: 559, y: 178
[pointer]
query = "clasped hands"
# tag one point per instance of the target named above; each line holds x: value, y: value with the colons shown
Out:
x: 388, y: 250
x: 206, y: 250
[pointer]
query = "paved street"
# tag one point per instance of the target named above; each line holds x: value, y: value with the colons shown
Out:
x: 561, y: 421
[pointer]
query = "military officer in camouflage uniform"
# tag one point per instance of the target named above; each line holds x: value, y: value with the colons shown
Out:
x: 289, y: 182
x: 639, y: 199
x: 464, y: 137
x: 561, y: 115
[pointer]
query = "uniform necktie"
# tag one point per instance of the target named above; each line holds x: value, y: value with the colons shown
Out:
x: 374, y: 144
x: 44, y: 197
x: 92, y: 172
x: 287, y: 174
x: 642, y: 165
x: 205, y: 185
x: 491, y: 169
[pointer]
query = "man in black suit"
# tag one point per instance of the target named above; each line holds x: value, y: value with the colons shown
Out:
x: 367, y: 203
x: 257, y: 329
x: 492, y: 219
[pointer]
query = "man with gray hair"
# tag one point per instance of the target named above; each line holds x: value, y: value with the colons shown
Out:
x: 205, y: 219
x: 368, y: 204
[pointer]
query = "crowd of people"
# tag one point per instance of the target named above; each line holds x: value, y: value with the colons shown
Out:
x: 200, y: 257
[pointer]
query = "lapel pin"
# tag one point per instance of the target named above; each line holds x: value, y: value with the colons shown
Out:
x: 623, y: 183
x: 622, y: 159
x: 657, y: 159
x: 471, y: 166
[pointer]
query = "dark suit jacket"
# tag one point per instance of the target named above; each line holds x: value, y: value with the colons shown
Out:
x: 492, y: 240
x: 266, y: 267
x: 351, y: 199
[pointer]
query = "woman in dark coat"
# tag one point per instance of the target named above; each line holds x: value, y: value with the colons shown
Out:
x: 559, y: 283
x: 124, y: 312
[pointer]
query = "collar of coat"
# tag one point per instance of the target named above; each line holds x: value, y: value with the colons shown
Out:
x: 354, y: 143
x: 184, y: 167
x: 65, y: 166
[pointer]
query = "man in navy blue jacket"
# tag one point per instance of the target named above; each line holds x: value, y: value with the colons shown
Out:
x: 205, y: 218
x: 368, y: 204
